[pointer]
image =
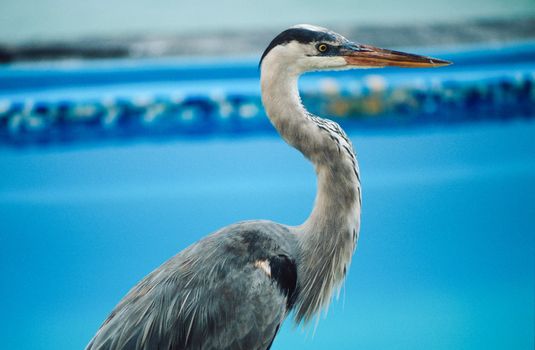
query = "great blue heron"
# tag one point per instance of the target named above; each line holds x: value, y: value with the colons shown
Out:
x: 234, y: 288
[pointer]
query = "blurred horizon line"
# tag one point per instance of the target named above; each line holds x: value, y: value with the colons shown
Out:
x: 251, y: 41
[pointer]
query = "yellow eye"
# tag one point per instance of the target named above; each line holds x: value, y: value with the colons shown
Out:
x: 322, y: 47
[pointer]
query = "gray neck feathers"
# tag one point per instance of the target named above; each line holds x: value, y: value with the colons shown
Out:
x: 328, y: 237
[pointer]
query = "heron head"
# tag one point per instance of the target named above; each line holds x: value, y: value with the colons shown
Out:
x: 305, y: 48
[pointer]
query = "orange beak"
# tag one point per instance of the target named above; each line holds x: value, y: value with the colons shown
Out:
x: 369, y: 56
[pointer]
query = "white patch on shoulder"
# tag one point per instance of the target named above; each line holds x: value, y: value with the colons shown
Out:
x: 264, y: 266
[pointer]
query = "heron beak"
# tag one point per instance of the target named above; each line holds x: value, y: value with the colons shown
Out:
x: 368, y: 56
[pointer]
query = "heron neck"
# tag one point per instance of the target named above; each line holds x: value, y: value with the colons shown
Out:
x: 328, y: 237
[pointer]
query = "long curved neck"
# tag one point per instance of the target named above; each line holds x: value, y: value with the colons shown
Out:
x: 328, y: 237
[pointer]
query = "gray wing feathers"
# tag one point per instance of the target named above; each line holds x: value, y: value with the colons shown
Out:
x: 209, y: 296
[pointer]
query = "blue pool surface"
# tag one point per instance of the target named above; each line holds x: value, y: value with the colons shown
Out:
x: 446, y: 258
x: 49, y: 103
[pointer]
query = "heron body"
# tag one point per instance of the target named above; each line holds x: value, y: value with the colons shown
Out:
x: 234, y: 288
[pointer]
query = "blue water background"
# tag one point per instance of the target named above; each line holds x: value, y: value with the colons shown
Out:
x: 445, y: 258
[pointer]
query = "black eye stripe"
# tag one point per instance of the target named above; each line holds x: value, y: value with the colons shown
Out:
x: 301, y: 35
x: 327, y: 49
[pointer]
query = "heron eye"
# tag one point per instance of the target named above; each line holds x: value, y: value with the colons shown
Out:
x: 322, y: 47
